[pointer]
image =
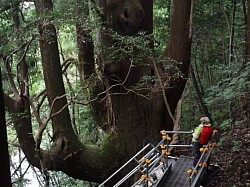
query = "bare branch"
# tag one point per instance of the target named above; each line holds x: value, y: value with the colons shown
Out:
x: 8, y: 68
x: 163, y: 91
x: 67, y: 62
x: 59, y: 111
x: 175, y: 138
x: 43, y: 125
x: 38, y: 95
x: 11, y: 80
x: 40, y: 103
x: 18, y: 167
x: 36, y: 114
x: 26, y: 50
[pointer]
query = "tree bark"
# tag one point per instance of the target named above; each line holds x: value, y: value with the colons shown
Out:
x: 85, y: 53
x: 200, y: 95
x: 67, y: 153
x: 19, y: 107
x: 52, y: 71
x: 4, y: 159
x: 179, y: 49
x: 85, y: 44
x: 247, y: 42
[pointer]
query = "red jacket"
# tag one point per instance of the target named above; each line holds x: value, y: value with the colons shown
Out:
x: 206, y: 134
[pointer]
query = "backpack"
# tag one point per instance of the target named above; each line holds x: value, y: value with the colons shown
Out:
x: 206, y: 135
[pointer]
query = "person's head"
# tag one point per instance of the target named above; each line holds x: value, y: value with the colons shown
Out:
x: 205, y: 120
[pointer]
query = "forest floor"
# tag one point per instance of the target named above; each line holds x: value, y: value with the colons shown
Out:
x: 231, y: 159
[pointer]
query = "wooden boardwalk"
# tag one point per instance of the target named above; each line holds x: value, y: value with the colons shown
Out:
x: 178, y: 177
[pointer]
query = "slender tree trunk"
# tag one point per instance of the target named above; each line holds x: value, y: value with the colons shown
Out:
x: 19, y: 107
x: 4, y: 158
x: 52, y: 71
x: 245, y: 101
x: 84, y: 43
x: 247, y: 39
x: 85, y: 53
x: 231, y: 44
x: 179, y: 49
x: 200, y: 95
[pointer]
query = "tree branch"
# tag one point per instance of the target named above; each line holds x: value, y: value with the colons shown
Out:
x: 8, y: 69
x: 26, y: 50
x: 11, y: 80
x: 175, y: 138
x: 10, y: 103
x: 163, y: 91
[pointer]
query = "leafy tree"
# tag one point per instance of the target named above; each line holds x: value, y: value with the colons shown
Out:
x: 131, y: 92
x: 219, y: 59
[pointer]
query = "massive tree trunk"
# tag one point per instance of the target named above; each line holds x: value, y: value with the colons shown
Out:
x: 132, y: 116
x: 131, y: 112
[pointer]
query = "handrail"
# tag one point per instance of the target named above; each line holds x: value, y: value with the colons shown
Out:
x: 158, y: 159
x: 140, y: 180
x: 202, y: 168
x: 180, y: 145
x: 179, y: 132
x: 152, y: 161
x: 133, y: 158
x: 199, y: 161
x: 145, y: 147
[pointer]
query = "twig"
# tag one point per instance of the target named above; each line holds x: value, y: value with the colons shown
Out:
x: 18, y: 167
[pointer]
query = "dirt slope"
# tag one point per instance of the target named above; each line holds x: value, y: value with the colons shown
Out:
x: 232, y: 156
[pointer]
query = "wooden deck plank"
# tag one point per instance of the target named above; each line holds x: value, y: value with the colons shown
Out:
x: 179, y: 177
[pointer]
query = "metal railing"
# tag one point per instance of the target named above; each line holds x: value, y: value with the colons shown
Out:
x: 153, y: 165
x: 202, y: 164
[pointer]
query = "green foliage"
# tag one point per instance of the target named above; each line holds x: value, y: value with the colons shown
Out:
x: 226, y: 124
x: 59, y: 179
x: 87, y: 129
x: 161, y: 24
x: 228, y: 91
x: 236, y: 145
x: 223, y: 81
x: 136, y: 48
x: 67, y: 40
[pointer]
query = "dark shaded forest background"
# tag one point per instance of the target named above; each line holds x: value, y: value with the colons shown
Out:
x: 217, y: 86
